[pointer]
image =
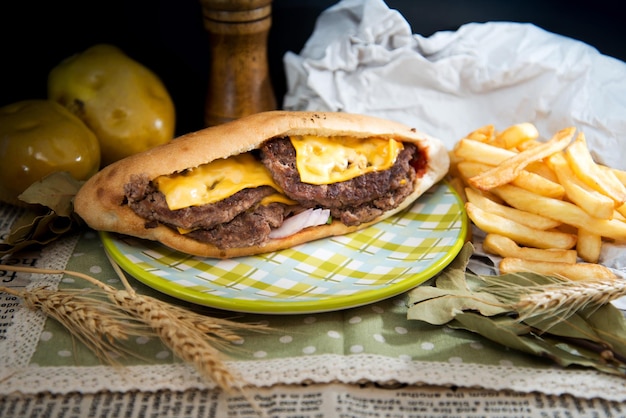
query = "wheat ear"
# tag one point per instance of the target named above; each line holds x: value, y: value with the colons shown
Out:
x: 569, y: 297
x: 90, y: 320
x: 186, y: 341
x: 221, y: 328
x: 218, y: 330
x: 558, y: 299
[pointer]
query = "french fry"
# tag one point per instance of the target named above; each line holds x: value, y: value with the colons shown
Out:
x: 481, y: 152
x: 482, y: 134
x: 564, y: 212
x: 543, y: 169
x: 525, y: 179
x: 467, y: 169
x: 538, y: 184
x: 528, y: 144
x: 620, y: 174
x: 514, y: 135
x: 506, y: 247
x: 568, y: 229
x: 589, y: 246
x: 621, y: 177
x: 591, y: 201
x: 604, y: 181
x: 522, y: 234
x: 523, y: 217
x: 617, y: 215
x: 507, y: 170
x: 577, y: 271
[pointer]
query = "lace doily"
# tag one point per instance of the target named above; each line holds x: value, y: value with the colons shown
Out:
x: 28, y: 324
x: 323, y: 369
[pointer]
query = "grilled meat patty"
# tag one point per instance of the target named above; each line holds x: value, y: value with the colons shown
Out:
x: 354, y: 201
x: 233, y: 222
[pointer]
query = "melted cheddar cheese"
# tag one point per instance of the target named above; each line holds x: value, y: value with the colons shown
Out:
x: 320, y: 160
x: 215, y: 181
x: 324, y: 160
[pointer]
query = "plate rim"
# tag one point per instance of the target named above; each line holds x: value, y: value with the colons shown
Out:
x: 281, y: 307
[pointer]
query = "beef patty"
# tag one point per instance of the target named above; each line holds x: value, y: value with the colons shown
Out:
x: 236, y: 221
x: 353, y: 201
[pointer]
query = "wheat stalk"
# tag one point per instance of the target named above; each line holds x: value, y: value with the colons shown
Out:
x: 215, y: 329
x: 186, y: 333
x: 555, y: 303
x: 559, y: 299
x: 183, y: 338
x: 571, y: 296
x: 575, y: 295
x: 182, y: 335
x: 90, y: 320
x: 79, y: 310
x: 98, y: 326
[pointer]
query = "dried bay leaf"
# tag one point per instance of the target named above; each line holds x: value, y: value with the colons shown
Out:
x: 452, y: 294
x: 588, y: 334
x: 505, y: 332
x: 444, y: 308
x: 48, y: 216
x: 609, y: 323
x: 22, y: 227
x: 502, y: 329
x: 55, y: 191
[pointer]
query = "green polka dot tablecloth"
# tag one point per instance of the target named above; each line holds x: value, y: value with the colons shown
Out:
x: 372, y: 342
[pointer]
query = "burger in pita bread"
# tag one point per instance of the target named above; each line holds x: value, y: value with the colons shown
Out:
x: 265, y: 182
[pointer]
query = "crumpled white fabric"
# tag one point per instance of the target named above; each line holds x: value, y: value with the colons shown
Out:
x: 363, y: 58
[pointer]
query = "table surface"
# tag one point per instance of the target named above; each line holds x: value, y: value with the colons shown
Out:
x: 373, y: 343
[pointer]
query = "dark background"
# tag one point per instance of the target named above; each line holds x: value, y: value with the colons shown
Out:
x: 168, y: 37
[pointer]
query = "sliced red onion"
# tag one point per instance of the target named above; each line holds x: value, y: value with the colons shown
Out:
x: 296, y: 223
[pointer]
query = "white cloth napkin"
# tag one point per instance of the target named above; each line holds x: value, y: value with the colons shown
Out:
x: 363, y: 58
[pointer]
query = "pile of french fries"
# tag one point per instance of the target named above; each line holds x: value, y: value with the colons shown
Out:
x: 545, y: 205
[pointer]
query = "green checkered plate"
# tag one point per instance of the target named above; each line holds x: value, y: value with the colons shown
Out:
x: 335, y: 273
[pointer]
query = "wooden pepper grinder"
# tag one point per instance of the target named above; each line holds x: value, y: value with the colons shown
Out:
x: 239, y: 80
